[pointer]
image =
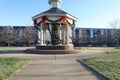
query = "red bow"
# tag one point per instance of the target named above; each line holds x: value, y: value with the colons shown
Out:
x: 43, y: 19
x: 35, y: 23
x: 63, y: 19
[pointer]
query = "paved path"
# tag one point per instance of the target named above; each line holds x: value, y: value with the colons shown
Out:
x: 56, y: 67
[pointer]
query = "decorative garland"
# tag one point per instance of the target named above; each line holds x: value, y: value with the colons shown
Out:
x: 72, y: 25
x: 44, y: 18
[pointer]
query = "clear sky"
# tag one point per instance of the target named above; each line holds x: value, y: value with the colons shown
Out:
x: 90, y: 13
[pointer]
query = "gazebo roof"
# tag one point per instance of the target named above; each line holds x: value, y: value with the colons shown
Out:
x: 54, y: 12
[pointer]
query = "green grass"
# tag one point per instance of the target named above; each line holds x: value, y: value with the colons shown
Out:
x: 109, y: 65
x: 95, y: 48
x: 14, y: 48
x: 10, y: 66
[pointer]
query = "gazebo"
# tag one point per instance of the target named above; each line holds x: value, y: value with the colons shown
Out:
x: 54, y: 28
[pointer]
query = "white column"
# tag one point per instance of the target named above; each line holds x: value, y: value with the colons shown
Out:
x: 50, y: 27
x: 38, y: 37
x: 41, y: 35
x: 91, y: 33
x: 47, y: 35
x: 59, y: 33
x: 64, y: 39
x: 71, y: 36
x: 68, y: 35
x: 44, y: 37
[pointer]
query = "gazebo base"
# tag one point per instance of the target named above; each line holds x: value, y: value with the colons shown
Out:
x: 37, y: 51
x: 62, y: 47
x: 67, y: 49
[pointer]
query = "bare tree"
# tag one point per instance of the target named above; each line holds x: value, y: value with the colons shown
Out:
x: 1, y: 35
x: 8, y: 36
x: 116, y: 31
x: 85, y: 39
x: 99, y: 38
x: 29, y: 36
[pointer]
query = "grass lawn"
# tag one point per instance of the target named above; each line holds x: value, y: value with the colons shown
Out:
x: 10, y: 66
x: 109, y: 65
x: 14, y: 48
x: 96, y: 48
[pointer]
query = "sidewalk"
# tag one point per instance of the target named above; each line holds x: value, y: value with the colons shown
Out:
x: 56, y: 67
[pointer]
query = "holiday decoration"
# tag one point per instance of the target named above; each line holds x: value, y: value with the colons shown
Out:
x: 43, y: 19
x: 74, y: 23
x: 35, y: 23
x: 63, y: 19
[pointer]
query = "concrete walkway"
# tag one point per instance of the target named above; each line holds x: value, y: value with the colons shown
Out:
x: 56, y: 67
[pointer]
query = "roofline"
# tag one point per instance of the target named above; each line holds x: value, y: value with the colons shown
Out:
x: 72, y: 17
x: 54, y: 14
x: 46, y: 14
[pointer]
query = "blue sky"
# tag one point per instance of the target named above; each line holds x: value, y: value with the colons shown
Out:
x: 90, y: 13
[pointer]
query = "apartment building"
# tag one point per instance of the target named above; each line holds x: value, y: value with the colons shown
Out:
x: 94, y: 37
x: 18, y: 35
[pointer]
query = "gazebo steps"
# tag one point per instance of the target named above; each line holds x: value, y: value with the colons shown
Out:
x: 38, y: 51
x: 61, y: 47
